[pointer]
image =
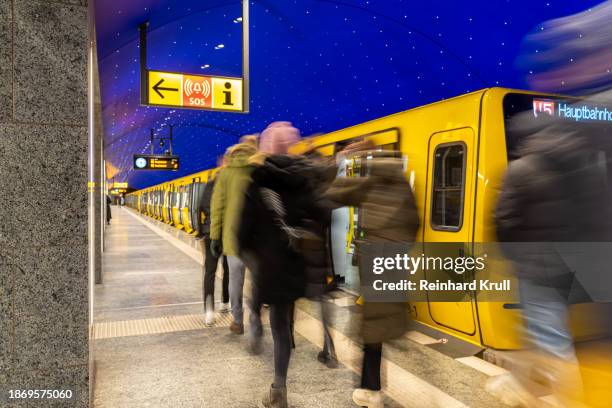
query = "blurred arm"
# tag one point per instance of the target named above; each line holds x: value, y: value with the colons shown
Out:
x: 348, y: 191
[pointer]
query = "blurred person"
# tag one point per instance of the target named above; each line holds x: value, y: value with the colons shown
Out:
x: 250, y: 140
x: 389, y: 215
x: 316, y: 248
x: 108, y: 209
x: 554, y: 193
x: 226, y: 207
x: 341, y: 221
x: 211, y: 261
x: 280, y: 203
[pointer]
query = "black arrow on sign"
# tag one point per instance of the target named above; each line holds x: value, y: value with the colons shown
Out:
x: 158, y: 88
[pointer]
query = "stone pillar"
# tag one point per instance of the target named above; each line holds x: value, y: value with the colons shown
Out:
x: 44, y: 290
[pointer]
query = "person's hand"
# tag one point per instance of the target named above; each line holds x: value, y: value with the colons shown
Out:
x: 215, y: 248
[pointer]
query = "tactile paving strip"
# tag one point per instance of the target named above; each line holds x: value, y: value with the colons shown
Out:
x: 166, y: 324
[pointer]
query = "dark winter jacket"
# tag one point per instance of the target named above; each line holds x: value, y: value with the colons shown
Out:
x: 281, y: 217
x: 388, y: 214
x: 554, y: 193
x: 315, y: 242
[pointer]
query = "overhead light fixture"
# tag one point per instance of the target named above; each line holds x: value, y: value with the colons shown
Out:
x: 205, y: 66
x: 219, y: 46
x: 238, y: 20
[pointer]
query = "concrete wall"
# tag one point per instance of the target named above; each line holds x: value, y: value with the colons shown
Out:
x: 44, y: 313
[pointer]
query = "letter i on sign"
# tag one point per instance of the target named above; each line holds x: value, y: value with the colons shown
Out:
x: 227, y: 94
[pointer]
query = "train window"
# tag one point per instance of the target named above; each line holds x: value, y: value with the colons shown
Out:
x: 385, y: 139
x: 448, y: 186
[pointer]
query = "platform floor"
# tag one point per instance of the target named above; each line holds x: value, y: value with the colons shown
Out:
x: 153, y: 350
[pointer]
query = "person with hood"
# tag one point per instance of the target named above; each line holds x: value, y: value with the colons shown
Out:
x: 210, y: 260
x: 388, y: 215
x: 278, y: 204
x: 553, y: 193
x: 226, y: 208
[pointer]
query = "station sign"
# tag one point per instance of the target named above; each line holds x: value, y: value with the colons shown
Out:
x: 117, y: 191
x: 123, y: 185
x: 155, y: 162
x: 194, y: 91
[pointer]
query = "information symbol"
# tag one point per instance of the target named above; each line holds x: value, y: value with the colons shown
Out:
x: 228, y: 94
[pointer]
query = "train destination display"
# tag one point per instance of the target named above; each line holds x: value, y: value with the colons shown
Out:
x: 155, y: 162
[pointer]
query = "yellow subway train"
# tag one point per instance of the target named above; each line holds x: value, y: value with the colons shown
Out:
x: 467, y: 139
x: 174, y: 202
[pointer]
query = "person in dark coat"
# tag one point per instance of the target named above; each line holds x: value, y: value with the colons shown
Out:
x: 108, y: 210
x: 211, y: 261
x: 389, y: 215
x: 554, y: 198
x: 277, y: 203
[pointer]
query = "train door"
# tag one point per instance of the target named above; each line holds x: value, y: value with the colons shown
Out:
x: 171, y: 203
x: 447, y: 230
x: 181, y: 203
x: 165, y: 216
x: 156, y: 202
x: 149, y: 207
x: 161, y: 203
x: 343, y: 232
x: 176, y: 209
x: 187, y: 204
x: 197, y: 190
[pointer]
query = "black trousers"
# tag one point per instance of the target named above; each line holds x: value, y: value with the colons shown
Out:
x: 281, y: 321
x: 370, y: 373
x: 210, y: 270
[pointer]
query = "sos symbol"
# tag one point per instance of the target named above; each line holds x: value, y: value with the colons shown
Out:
x: 197, y: 92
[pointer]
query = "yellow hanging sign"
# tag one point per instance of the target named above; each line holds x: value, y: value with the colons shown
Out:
x: 194, y: 91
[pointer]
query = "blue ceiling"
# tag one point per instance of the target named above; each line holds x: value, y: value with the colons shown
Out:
x: 322, y: 64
